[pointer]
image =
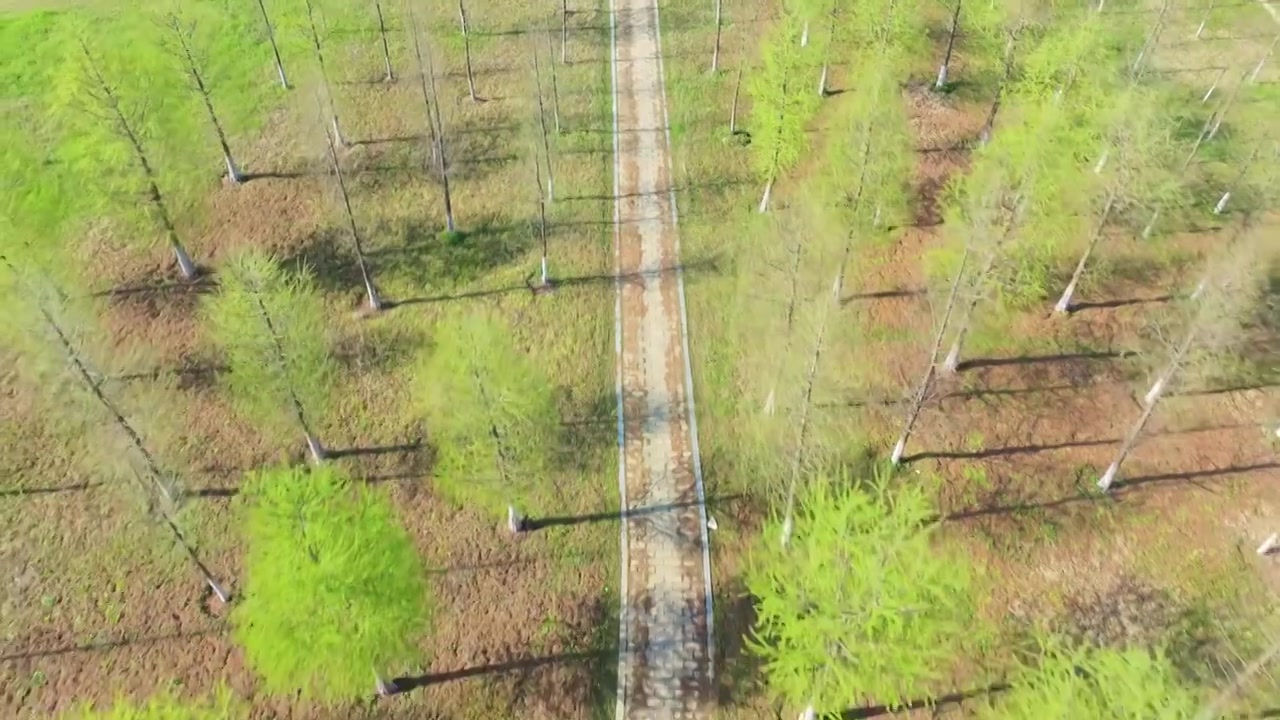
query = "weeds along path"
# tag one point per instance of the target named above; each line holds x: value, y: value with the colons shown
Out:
x: 664, y: 649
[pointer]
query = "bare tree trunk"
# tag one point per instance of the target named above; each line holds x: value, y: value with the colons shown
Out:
x: 441, y: 159
x: 1214, y: 86
x: 555, y: 85
x: 275, y: 50
x: 542, y: 123
x: 1257, y: 69
x: 941, y: 82
x: 715, y: 53
x: 542, y: 223
x: 466, y: 49
x: 952, y: 362
x: 1064, y: 302
x: 733, y: 111
x: 922, y: 391
x: 124, y: 129
x: 386, y: 48
x: 324, y: 77
x: 314, y: 447
x: 1205, y: 19
x: 1152, y: 399
x: 564, y: 32
x: 826, y: 58
x: 422, y: 85
x: 371, y: 292
x: 233, y: 173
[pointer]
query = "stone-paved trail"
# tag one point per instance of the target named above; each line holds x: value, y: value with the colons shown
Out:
x: 664, y: 661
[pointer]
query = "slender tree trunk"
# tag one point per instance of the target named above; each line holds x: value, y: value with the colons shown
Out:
x: 791, y: 314
x: 715, y: 52
x: 733, y: 111
x: 153, y: 468
x: 324, y: 77
x: 1064, y: 302
x: 564, y: 32
x: 952, y: 362
x: 386, y: 48
x: 941, y: 82
x: 1221, y: 114
x: 804, y: 35
x: 1214, y: 86
x: 124, y: 129
x: 802, y: 431
x: 501, y: 460
x: 441, y: 159
x: 1205, y: 19
x: 422, y: 85
x: 371, y: 292
x: 922, y: 391
x: 275, y: 50
x: 1152, y: 399
x: 278, y: 358
x: 989, y: 126
x: 233, y: 173
x: 1226, y: 196
x: 1153, y: 38
x: 1257, y: 69
x: 826, y: 58
x: 466, y: 49
x: 555, y: 84
x: 542, y: 223
x: 542, y: 123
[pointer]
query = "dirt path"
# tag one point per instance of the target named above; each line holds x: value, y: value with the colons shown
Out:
x: 664, y: 660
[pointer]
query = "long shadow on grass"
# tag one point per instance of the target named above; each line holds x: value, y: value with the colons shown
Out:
x: 18, y: 492
x: 1123, y: 302
x: 407, y: 684
x: 950, y: 699
x: 631, y: 514
x: 107, y: 645
x: 1043, y: 359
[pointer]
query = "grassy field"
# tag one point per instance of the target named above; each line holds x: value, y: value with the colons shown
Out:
x: 100, y: 603
x: 1014, y: 443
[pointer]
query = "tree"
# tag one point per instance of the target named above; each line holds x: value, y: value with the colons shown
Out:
x: 94, y: 91
x: 1212, y: 325
x: 435, y: 124
x: 715, y: 52
x: 63, y: 352
x: 334, y: 587
x: 373, y: 300
x: 325, y: 84
x: 781, y: 109
x: 192, y: 62
x: 1100, y: 683
x: 492, y: 413
x: 862, y: 603
x: 271, y: 326
x: 542, y: 126
x: 164, y: 706
x: 555, y: 84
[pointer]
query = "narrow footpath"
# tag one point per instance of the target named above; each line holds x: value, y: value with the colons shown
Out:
x: 664, y: 650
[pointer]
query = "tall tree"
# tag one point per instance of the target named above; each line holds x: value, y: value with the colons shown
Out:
x: 863, y: 603
x: 542, y: 126
x: 271, y: 326
x: 326, y: 86
x: 373, y: 300
x: 334, y: 588
x: 117, y: 432
x: 1104, y: 683
x: 781, y: 108
x: 95, y: 92
x: 192, y: 64
x: 390, y: 75
x: 1212, y: 324
x: 493, y: 415
x: 435, y: 123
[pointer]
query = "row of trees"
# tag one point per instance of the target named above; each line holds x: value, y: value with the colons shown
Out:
x: 1083, y: 143
x: 867, y: 605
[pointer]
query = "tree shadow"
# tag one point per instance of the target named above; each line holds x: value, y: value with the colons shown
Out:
x: 372, y: 450
x: 411, y: 683
x: 532, y: 524
x: 108, y: 645
x: 20, y: 491
x: 1005, y: 451
x: 424, y: 256
x: 952, y: 699
x: 883, y: 294
x: 1126, y: 302
x: 329, y: 255
x: 191, y: 374
x: 1044, y: 359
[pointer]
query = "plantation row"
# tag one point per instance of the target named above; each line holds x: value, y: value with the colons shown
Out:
x: 1087, y: 142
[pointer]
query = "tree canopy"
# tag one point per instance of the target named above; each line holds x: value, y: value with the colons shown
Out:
x: 334, y: 590
x: 861, y: 603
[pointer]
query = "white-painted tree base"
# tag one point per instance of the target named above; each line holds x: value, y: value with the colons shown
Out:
x: 316, y: 449
x: 1104, y: 483
x: 787, y: 527
x: 1222, y: 203
x: 711, y: 524
x: 515, y: 522
x: 769, y: 403
x: 1270, y: 546
x: 809, y: 713
x: 233, y: 172
x: 1157, y: 388
x: 952, y: 363
x: 764, y: 200
x: 185, y: 267
x: 941, y: 82
x: 218, y: 590
x: 898, y: 449
x: 383, y: 687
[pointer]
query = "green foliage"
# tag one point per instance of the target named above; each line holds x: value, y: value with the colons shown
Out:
x: 862, y: 603
x: 1096, y: 683
x: 491, y: 411
x: 222, y: 706
x: 884, y: 32
x: 783, y: 101
x: 334, y: 588
x: 271, y: 325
